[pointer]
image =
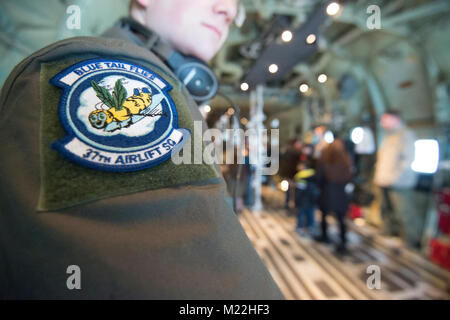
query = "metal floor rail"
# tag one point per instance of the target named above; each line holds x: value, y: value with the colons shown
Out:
x: 305, y: 269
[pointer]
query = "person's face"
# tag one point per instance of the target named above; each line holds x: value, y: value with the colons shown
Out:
x: 389, y: 122
x: 194, y: 27
x: 319, y: 131
x: 297, y: 145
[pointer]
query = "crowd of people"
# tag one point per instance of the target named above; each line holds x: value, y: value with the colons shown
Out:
x: 319, y: 182
x: 321, y: 175
x: 317, y: 174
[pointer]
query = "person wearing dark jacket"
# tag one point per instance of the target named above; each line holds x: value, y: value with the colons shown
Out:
x: 306, y: 193
x: 334, y: 172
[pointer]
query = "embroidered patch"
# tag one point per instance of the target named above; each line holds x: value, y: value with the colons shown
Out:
x: 118, y: 116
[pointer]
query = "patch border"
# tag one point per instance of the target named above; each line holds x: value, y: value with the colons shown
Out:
x: 60, y: 144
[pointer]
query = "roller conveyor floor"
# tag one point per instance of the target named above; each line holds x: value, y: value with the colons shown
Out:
x: 306, y: 269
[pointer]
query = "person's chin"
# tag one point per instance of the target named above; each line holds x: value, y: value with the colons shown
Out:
x: 205, y: 53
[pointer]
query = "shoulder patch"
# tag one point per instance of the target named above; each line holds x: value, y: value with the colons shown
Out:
x: 118, y: 116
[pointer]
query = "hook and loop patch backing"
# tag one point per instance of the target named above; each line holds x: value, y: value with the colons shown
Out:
x: 108, y: 128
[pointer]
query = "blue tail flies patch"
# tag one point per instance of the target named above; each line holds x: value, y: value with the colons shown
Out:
x: 118, y: 116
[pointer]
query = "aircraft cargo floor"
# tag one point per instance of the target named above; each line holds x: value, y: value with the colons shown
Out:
x: 306, y: 269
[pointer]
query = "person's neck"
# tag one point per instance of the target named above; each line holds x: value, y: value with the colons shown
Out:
x: 398, y: 128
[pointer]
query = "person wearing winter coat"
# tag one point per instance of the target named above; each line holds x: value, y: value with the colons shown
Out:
x: 334, y: 172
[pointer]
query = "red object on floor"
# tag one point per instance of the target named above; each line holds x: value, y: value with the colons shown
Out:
x: 440, y: 253
x: 443, y: 210
x: 354, y: 211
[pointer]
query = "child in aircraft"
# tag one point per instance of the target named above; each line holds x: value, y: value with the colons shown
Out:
x: 306, y: 195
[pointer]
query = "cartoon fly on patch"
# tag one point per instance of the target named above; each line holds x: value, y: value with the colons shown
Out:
x: 122, y: 111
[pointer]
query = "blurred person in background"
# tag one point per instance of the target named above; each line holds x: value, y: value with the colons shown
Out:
x: 236, y: 176
x: 249, y: 169
x: 334, y: 172
x: 307, y: 149
x: 320, y: 142
x: 289, y: 160
x: 396, y: 179
x: 306, y: 194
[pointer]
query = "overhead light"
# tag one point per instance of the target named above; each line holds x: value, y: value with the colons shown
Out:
x: 426, y: 156
x: 333, y: 8
x: 303, y: 88
x: 205, y: 109
x: 286, y: 36
x: 284, y: 185
x: 328, y: 137
x: 273, y: 68
x: 244, y: 86
x: 322, y: 78
x: 275, y: 123
x: 310, y: 39
x: 357, y: 135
